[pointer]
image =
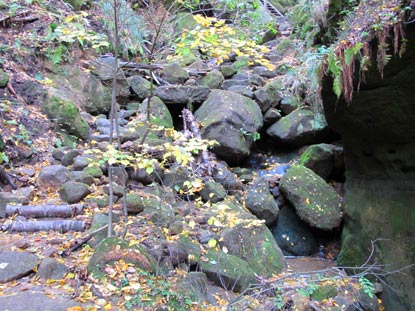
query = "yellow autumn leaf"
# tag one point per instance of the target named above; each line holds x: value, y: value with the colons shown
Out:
x: 307, y: 201
x: 212, y: 243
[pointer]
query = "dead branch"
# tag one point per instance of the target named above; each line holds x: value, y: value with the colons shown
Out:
x: 191, y: 129
x: 44, y: 211
x: 82, y: 241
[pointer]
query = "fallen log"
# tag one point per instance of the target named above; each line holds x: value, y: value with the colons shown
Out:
x: 44, y: 211
x: 191, y: 129
x: 61, y: 225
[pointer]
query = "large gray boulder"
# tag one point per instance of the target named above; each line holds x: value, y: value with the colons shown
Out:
x: 140, y: 86
x: 52, y: 176
x: 174, y: 74
x: 255, y: 244
x: 300, y: 127
x: 15, y: 265
x: 315, y: 201
x: 182, y: 94
x: 73, y: 192
x: 232, y: 120
x: 227, y: 270
x: 260, y: 201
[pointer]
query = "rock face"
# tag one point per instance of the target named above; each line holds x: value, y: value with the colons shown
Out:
x: 379, y: 147
x: 231, y: 119
x: 315, y: 202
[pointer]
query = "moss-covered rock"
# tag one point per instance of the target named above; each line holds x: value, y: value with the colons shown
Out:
x: 300, y: 127
x: 255, y: 244
x: 159, y: 113
x: 174, y: 73
x: 227, y: 270
x: 231, y: 119
x: 315, y: 201
x: 319, y: 158
x: 66, y: 115
x: 213, y: 192
x: 213, y: 79
x: 114, y: 249
x: 140, y: 86
x: 73, y: 192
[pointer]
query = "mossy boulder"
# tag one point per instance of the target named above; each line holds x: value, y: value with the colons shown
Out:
x: 73, y: 192
x: 315, y: 201
x: 255, y: 244
x: 4, y: 78
x: 213, y: 79
x: 140, y: 86
x: 320, y: 159
x: 232, y: 120
x: 227, y: 270
x: 159, y: 113
x: 213, y: 192
x: 66, y: 115
x: 174, y: 73
x: 300, y: 127
x: 114, y: 249
x: 269, y: 95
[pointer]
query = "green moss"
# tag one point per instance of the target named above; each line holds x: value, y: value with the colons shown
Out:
x: 4, y: 78
x: 94, y: 171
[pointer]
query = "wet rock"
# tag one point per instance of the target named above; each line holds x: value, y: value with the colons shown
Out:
x: 301, y: 127
x: 260, y: 201
x: 227, y: 270
x: 15, y: 265
x: 271, y: 116
x: 182, y: 94
x: 140, y: 86
x: 224, y: 176
x: 213, y: 192
x: 113, y: 249
x: 53, y: 176
x: 255, y: 244
x: 315, y: 201
x: 73, y: 192
x: 289, y: 103
x: 50, y: 269
x: 293, y: 235
x: 231, y: 119
x: 320, y: 159
x: 174, y: 74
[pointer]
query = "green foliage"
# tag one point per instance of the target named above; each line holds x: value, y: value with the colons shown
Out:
x: 131, y: 27
x: 216, y: 39
x: 308, y: 290
x: 367, y: 286
x: 158, y: 291
x: 71, y: 32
